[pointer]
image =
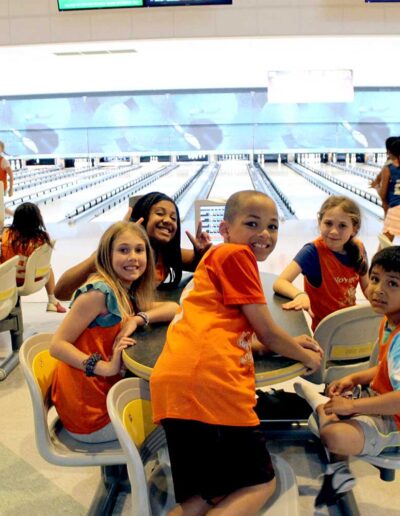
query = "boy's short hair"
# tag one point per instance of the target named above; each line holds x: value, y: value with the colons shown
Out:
x: 235, y: 202
x: 388, y: 259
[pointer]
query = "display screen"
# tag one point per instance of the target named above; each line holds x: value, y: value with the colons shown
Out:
x: 157, y: 3
x: 77, y: 5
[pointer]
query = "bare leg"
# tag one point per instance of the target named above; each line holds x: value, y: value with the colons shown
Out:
x: 8, y: 211
x: 245, y: 501
x: 53, y: 305
x: 195, y: 506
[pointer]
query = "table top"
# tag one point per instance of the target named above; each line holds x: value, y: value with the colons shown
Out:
x: 270, y: 369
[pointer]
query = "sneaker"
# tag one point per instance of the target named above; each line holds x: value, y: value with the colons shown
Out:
x: 56, y: 307
x: 335, y: 485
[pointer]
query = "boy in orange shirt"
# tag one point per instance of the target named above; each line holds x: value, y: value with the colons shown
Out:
x: 203, y: 385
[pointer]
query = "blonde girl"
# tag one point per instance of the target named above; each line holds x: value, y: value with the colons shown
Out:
x: 117, y: 299
x: 332, y: 265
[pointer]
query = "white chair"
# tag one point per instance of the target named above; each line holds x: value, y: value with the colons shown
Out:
x: 129, y: 407
x: 10, y: 313
x: 37, y: 270
x: 347, y: 337
x: 54, y: 444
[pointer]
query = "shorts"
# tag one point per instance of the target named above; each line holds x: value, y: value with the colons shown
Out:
x: 391, y: 224
x: 380, y: 432
x: 215, y: 460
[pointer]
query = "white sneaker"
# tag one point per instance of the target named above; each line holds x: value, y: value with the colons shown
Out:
x: 56, y: 307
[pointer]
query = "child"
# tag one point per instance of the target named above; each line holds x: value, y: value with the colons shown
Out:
x: 376, y: 183
x: 159, y: 215
x: 371, y: 423
x: 6, y: 170
x: 26, y: 233
x: 390, y: 194
x: 203, y: 384
x: 90, y: 340
x: 332, y: 265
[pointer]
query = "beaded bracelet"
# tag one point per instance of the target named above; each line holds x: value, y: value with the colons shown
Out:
x: 145, y: 318
x: 90, y: 363
x: 300, y: 294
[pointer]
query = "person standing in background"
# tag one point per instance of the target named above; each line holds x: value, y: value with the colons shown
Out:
x: 5, y: 170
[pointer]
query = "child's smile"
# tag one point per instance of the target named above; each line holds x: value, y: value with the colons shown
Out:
x: 129, y: 258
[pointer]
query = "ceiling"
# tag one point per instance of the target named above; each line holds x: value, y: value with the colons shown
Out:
x: 192, y: 63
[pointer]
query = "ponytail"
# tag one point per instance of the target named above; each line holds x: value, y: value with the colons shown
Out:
x: 356, y: 257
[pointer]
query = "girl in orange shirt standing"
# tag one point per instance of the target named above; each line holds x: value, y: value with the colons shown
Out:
x: 332, y: 265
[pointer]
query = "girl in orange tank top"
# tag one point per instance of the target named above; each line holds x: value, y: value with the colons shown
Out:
x: 105, y: 312
x: 332, y: 265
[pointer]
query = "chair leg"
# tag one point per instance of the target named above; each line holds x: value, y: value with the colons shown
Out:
x: 347, y: 505
x: 388, y: 475
x: 113, y: 481
x: 14, y: 324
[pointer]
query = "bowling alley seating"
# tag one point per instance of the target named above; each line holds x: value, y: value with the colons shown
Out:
x: 54, y: 444
x: 10, y: 313
x: 129, y: 407
x: 347, y: 337
x: 36, y: 275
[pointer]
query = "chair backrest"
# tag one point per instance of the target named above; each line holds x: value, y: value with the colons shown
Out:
x: 347, y: 337
x: 8, y: 286
x: 129, y: 407
x: 53, y: 443
x: 37, y: 270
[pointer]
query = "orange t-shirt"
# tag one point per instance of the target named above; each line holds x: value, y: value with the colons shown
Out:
x: 206, y: 370
x: 3, y: 173
x: 338, y: 286
x: 81, y: 400
x: 381, y: 381
x: 8, y: 252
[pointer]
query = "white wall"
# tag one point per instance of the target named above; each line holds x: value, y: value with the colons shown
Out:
x: 38, y: 21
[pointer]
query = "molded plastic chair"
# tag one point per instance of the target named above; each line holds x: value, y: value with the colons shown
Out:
x: 37, y: 270
x: 129, y: 407
x: 10, y: 313
x: 54, y: 444
x: 347, y: 337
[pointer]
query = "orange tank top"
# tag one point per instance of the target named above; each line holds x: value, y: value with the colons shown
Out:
x: 8, y: 251
x: 81, y: 400
x: 381, y: 381
x: 338, y: 286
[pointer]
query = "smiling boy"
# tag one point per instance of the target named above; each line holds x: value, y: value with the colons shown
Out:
x: 203, y: 384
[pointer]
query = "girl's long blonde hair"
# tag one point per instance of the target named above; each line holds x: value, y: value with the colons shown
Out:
x: 141, y: 293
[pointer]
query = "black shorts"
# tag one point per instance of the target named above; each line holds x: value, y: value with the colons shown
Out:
x: 214, y: 460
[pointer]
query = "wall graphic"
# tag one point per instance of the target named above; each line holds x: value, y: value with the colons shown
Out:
x: 221, y: 121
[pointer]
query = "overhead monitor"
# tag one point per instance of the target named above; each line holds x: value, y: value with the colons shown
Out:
x: 158, y: 3
x: 210, y: 213
x: 77, y: 5
x: 309, y: 86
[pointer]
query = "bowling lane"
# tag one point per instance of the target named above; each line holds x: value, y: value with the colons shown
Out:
x: 232, y: 177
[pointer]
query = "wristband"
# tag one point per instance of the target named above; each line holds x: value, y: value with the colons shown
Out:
x: 90, y: 364
x: 145, y: 318
x: 300, y: 294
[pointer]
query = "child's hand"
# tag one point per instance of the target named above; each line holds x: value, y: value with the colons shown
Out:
x: 201, y: 242
x: 337, y: 387
x: 128, y: 328
x: 300, y: 302
x: 307, y: 342
x: 114, y: 365
x: 340, y: 406
x: 313, y: 361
